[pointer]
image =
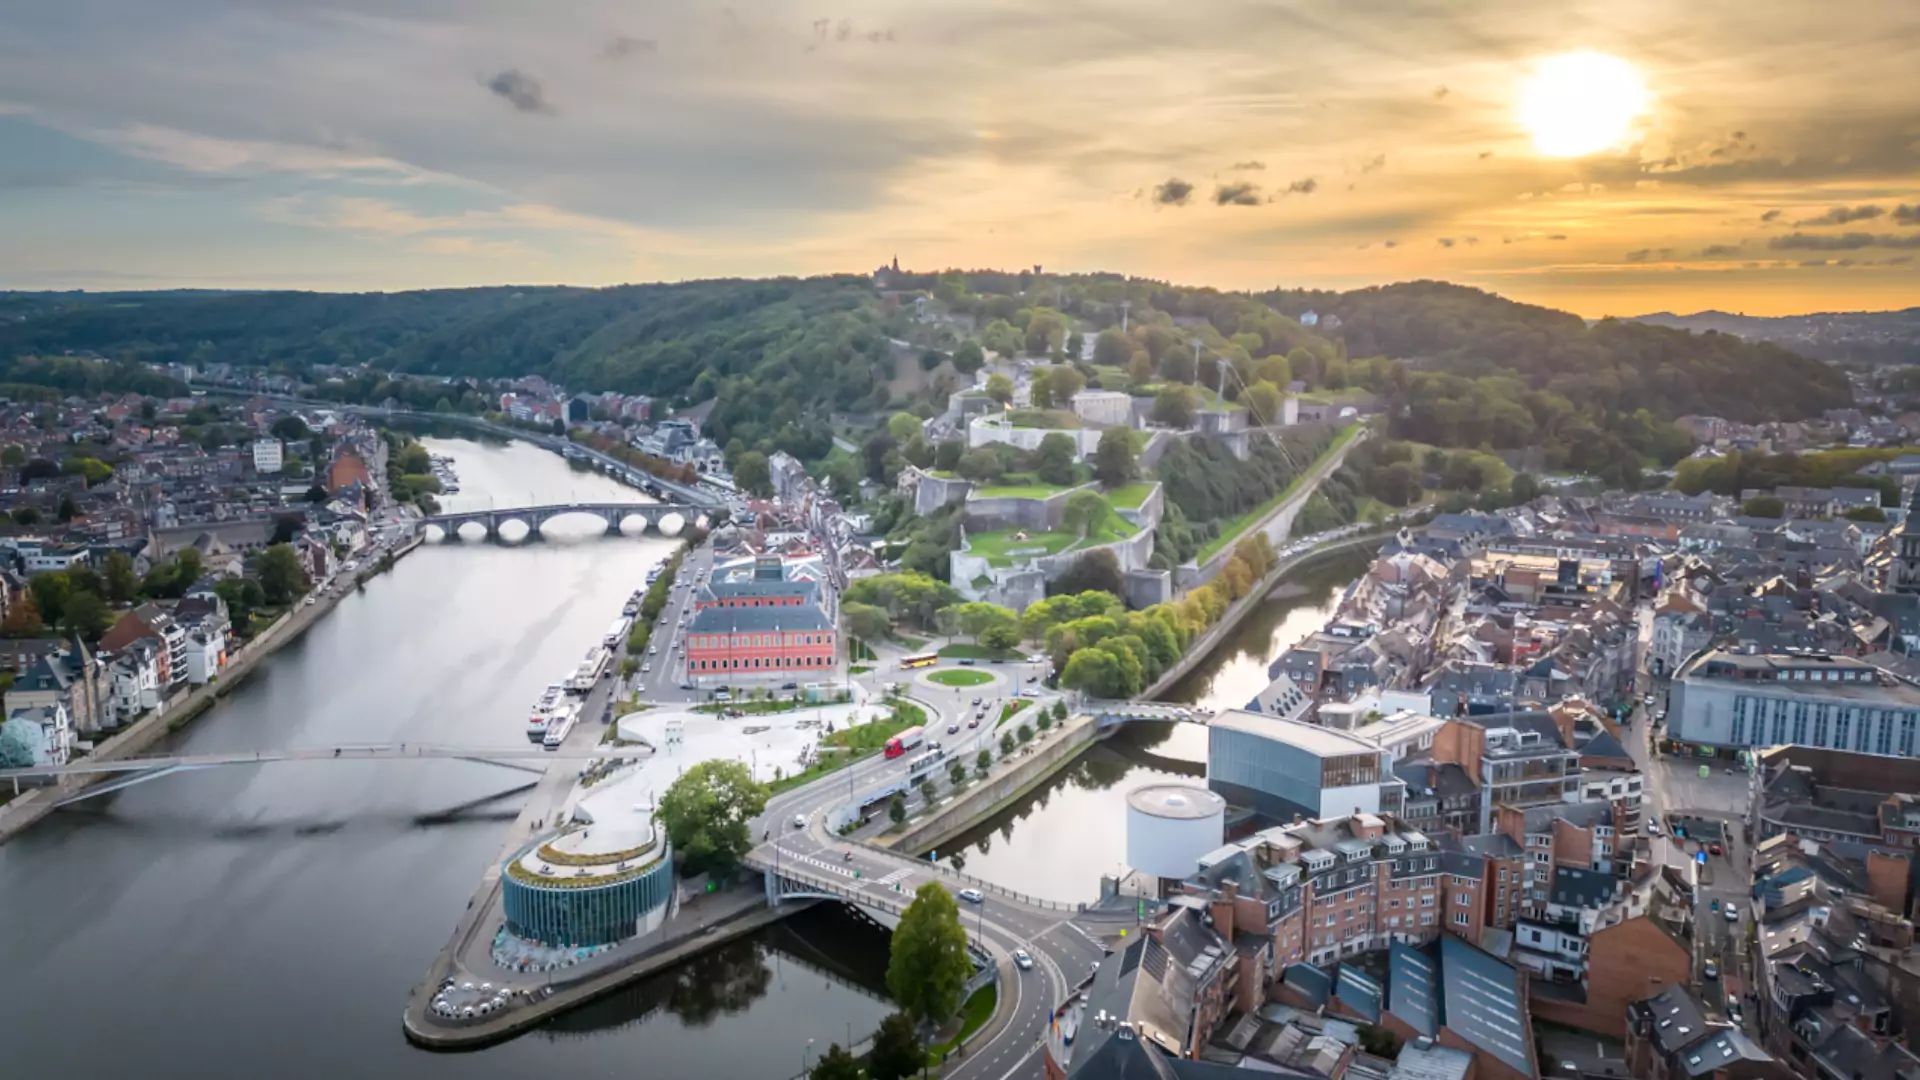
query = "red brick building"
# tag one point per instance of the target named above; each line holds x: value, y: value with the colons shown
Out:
x: 730, y: 644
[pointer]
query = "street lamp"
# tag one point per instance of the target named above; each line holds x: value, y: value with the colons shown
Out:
x: 806, y: 1057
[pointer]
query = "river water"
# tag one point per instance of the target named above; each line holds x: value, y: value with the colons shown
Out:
x: 270, y: 920
x: 1059, y: 839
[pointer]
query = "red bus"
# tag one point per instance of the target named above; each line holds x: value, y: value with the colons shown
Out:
x: 905, y: 741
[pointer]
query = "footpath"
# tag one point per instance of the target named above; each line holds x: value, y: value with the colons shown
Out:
x: 143, y: 733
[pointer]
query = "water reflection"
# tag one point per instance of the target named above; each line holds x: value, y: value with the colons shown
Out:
x: 1060, y: 838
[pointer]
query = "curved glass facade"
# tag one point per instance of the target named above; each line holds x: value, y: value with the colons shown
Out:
x: 561, y: 912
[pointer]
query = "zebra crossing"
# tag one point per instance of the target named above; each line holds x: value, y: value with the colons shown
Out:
x: 837, y: 868
x: 894, y: 878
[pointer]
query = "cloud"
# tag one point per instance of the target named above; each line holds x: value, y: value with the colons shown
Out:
x: 1852, y: 241
x: 1374, y: 163
x: 1237, y: 194
x: 1558, y: 236
x: 1306, y: 186
x: 1844, y: 215
x: 1648, y: 254
x: 1440, y: 92
x: 1247, y: 166
x: 1771, y: 215
x: 1390, y: 243
x: 1172, y: 193
x: 1906, y: 215
x: 521, y: 90
x: 1485, y: 154
x: 624, y: 46
x: 1719, y: 251
x: 1445, y: 241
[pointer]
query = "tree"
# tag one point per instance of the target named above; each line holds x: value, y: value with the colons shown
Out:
x: 1000, y: 388
x: 281, y: 576
x: 835, y: 1064
x: 1273, y: 369
x: 186, y: 568
x: 1085, y: 511
x: 1060, y: 709
x: 903, y: 426
x: 1265, y: 399
x: 751, y: 474
x: 1089, y: 670
x: 290, y: 429
x: 1378, y: 1041
x: 968, y: 358
x: 50, y: 593
x: 1044, y: 721
x: 88, y: 616
x: 1866, y: 513
x: 1001, y: 637
x: 18, y: 745
x: 23, y: 619
x: 13, y: 456
x: 947, y: 454
x: 1113, y: 457
x: 67, y: 511
x: 982, y: 762
x: 1096, y: 570
x: 1173, y: 406
x: 1006, y: 743
x: 897, y: 1052
x: 1766, y: 506
x: 1397, y: 484
x: 1040, y: 390
x: 1177, y: 365
x: 1025, y: 731
x: 982, y: 465
x: 897, y: 808
x: 956, y: 773
x: 1111, y: 348
x: 1140, y: 369
x: 866, y: 622
x: 706, y: 811
x: 1066, y: 381
x: 121, y: 582
x: 1053, y: 461
x: 928, y: 965
x: 25, y: 516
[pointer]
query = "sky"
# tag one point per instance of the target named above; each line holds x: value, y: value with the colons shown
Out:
x: 1760, y: 156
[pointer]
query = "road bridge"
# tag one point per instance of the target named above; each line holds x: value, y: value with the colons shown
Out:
x: 668, y: 518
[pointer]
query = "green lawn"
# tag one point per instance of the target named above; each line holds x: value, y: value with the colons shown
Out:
x: 1129, y: 497
x: 1018, y: 486
x: 1056, y: 419
x: 975, y: 1013
x: 1205, y: 398
x: 1231, y: 529
x: 996, y: 547
x: 960, y: 677
x: 859, y: 743
x: 964, y: 651
x: 1010, y: 708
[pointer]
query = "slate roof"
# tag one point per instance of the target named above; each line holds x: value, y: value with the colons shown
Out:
x: 715, y: 620
x: 1677, y: 1019
x: 1603, y: 744
x: 1575, y: 887
x: 807, y: 589
x: 1413, y: 988
x: 1482, y: 1003
x: 1358, y: 991
x: 1491, y: 845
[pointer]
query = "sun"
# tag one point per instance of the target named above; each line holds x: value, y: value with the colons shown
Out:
x: 1581, y: 103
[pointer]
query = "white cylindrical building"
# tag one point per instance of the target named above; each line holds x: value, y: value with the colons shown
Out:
x: 1169, y: 826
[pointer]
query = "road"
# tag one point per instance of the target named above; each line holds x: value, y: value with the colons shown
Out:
x: 1064, y: 943
x: 1709, y: 810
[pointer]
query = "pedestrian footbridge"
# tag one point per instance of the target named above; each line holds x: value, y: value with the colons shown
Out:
x: 1109, y: 714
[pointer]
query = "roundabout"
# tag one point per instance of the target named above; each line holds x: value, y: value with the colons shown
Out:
x: 959, y: 677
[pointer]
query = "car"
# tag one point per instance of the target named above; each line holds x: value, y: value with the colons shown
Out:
x: 1021, y: 960
x: 976, y: 702
x: 1715, y: 905
x: 1715, y: 849
x: 973, y: 896
x: 646, y: 667
x: 799, y: 821
x: 966, y: 663
x: 653, y: 650
x: 789, y: 686
x: 974, y: 723
x: 1711, y: 969
x: 1733, y: 1012
x: 640, y: 688
x: 1733, y: 913
x: 953, y: 728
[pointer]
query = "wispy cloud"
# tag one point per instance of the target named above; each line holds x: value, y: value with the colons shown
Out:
x: 1843, y: 215
x: 1174, y: 192
x: 1237, y: 194
x: 1853, y: 241
x: 520, y: 90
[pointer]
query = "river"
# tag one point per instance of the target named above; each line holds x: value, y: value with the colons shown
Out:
x: 1060, y: 838
x: 270, y: 920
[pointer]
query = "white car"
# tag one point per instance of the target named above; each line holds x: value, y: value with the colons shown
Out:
x: 799, y: 821
x: 1021, y: 960
x: 973, y: 896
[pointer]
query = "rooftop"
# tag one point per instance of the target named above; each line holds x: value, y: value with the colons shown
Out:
x: 1182, y: 801
x: 1320, y: 741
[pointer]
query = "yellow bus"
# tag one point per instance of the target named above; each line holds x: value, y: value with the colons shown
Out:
x: 922, y: 660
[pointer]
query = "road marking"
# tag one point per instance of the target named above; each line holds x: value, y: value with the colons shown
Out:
x: 898, y: 875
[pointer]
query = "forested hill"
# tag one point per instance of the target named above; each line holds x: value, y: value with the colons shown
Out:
x: 1455, y: 366
x: 1859, y: 337
x: 1623, y: 366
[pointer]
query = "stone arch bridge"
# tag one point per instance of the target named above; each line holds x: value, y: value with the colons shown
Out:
x: 656, y: 516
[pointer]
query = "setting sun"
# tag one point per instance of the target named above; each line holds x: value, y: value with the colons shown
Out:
x: 1581, y: 103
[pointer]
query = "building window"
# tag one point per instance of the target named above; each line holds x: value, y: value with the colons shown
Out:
x: 1843, y: 726
x: 1800, y: 722
x: 1779, y: 722
x: 1906, y: 734
x: 1886, y: 731
x: 1820, y: 725
x: 1459, y: 918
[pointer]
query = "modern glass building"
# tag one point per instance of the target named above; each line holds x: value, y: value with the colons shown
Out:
x: 1279, y: 768
x: 576, y: 888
